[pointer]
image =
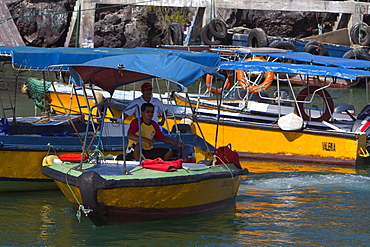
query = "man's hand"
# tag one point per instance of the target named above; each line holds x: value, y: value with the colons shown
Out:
x: 150, y: 142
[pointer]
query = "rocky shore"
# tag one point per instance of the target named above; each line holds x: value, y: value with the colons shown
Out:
x: 46, y: 23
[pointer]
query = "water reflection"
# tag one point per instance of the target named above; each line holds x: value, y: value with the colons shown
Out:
x: 304, y: 204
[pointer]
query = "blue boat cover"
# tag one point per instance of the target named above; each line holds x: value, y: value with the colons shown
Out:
x: 110, y: 72
x: 41, y: 58
x: 303, y: 69
x: 316, y: 59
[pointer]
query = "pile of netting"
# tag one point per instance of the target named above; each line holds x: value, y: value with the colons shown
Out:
x: 35, y: 89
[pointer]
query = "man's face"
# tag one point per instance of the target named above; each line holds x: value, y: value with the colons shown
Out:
x: 148, y: 113
x: 147, y: 92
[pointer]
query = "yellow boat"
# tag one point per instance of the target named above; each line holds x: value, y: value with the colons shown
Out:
x: 305, y: 127
x: 108, y: 191
x: 106, y: 194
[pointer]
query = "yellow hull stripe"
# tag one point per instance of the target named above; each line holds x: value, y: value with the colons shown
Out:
x: 161, y: 197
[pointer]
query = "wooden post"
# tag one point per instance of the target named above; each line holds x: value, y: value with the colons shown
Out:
x: 87, y: 21
x: 9, y: 34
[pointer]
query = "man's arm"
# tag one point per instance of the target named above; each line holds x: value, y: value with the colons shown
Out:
x: 172, y: 142
x: 135, y: 138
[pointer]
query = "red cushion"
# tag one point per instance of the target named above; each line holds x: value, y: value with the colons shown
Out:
x: 72, y: 157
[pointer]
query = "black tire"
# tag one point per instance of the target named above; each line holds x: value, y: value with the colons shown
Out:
x: 207, y: 37
x: 316, y: 48
x: 360, y: 34
x: 218, y: 28
x: 283, y: 44
x: 175, y: 34
x: 257, y: 38
x: 360, y: 54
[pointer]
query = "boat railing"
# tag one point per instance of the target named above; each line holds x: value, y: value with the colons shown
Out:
x: 104, y: 106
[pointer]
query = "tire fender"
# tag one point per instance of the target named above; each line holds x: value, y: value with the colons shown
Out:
x: 257, y: 38
x: 316, y: 48
x: 218, y: 28
x: 207, y: 36
x: 360, y: 34
x: 283, y: 44
x: 175, y: 34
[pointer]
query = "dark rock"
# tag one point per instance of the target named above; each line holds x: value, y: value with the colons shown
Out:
x: 45, y: 23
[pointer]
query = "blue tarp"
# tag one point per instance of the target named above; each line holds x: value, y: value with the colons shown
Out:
x: 316, y: 59
x: 40, y: 58
x: 303, y: 69
x: 110, y: 72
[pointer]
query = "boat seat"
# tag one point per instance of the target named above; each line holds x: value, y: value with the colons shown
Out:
x: 183, y: 128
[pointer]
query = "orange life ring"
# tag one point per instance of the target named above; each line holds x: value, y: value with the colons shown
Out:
x: 269, y: 77
x: 322, y: 93
x: 227, y: 85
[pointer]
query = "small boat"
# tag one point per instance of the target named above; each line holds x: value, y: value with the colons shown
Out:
x: 109, y: 191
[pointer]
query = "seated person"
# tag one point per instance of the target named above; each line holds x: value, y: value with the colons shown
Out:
x: 147, y: 97
x: 149, y: 129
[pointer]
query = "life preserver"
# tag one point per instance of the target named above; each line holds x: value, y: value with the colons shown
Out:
x: 322, y: 93
x: 269, y: 77
x: 227, y: 84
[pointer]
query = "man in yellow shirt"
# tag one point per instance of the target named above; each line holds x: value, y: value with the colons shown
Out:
x: 149, y: 130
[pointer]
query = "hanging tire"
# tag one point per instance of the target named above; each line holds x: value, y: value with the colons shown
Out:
x: 218, y: 28
x: 316, y: 48
x: 283, y: 44
x: 207, y: 36
x: 360, y: 54
x: 175, y: 34
x: 257, y: 38
x: 360, y: 34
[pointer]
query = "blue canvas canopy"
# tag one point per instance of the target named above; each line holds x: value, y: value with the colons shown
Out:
x: 303, y: 69
x: 110, y: 72
x: 26, y: 57
x: 316, y: 59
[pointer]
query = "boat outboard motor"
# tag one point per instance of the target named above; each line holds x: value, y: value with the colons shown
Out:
x: 343, y: 108
x: 362, y: 123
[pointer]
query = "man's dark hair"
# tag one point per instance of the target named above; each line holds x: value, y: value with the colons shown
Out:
x: 146, y: 105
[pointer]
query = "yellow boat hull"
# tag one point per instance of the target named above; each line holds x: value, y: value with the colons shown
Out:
x: 147, y: 194
x: 267, y: 141
x: 22, y: 172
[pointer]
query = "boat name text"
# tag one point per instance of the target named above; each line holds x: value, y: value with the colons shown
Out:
x: 328, y: 146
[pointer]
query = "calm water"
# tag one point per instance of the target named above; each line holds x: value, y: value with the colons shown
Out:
x: 278, y: 204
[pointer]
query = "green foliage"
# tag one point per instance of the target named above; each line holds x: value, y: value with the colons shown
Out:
x: 167, y: 15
